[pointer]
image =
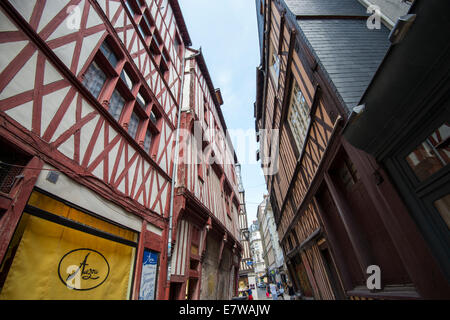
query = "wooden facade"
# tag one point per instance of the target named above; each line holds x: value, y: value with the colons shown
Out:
x: 331, y: 224
x: 208, y: 186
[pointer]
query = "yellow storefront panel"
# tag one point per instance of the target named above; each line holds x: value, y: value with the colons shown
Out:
x: 56, y: 207
x: 58, y: 262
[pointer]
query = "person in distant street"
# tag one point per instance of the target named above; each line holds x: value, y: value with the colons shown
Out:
x: 249, y: 293
x: 280, y: 291
x: 267, y: 291
x: 273, y: 291
x: 291, y: 291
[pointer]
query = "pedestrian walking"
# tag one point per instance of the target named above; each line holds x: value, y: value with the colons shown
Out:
x: 280, y: 292
x: 291, y: 291
x: 273, y: 291
x: 249, y: 293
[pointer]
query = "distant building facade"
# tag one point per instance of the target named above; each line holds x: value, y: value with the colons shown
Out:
x: 273, y: 254
x: 257, y: 251
x: 246, y: 267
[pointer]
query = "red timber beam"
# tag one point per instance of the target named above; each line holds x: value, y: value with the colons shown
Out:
x: 206, y: 229
x: 222, y: 245
x: 43, y: 47
x: 29, y: 143
x: 19, y: 198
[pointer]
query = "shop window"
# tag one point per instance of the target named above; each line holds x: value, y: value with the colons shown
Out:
x: 89, y: 256
x: 298, y: 116
x: 431, y: 155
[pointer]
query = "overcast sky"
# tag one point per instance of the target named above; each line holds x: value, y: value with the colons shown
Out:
x: 226, y: 30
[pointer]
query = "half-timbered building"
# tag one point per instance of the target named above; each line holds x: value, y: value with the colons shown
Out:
x: 246, y: 266
x: 205, y: 262
x: 317, y: 58
x: 90, y: 97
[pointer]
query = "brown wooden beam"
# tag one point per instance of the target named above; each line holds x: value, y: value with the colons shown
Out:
x: 357, y: 238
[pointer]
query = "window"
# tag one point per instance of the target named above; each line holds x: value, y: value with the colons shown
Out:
x: 298, y: 116
x: 148, y: 140
x: 133, y: 125
x: 130, y: 103
x: 205, y: 111
x: 347, y: 172
x: 432, y: 154
x: 153, y: 118
x: 443, y: 207
x: 145, y: 28
x: 177, y: 45
x: 133, y: 6
x: 274, y: 65
x: 94, y: 79
x: 127, y: 79
x: 109, y: 54
x: 142, y: 100
x: 116, y: 104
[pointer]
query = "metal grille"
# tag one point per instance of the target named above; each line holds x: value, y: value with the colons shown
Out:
x: 8, y: 175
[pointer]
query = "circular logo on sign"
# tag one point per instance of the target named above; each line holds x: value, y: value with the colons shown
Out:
x: 83, y: 269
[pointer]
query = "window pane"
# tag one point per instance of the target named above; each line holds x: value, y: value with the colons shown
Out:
x: 126, y: 79
x: 147, y: 141
x: 147, y: 22
x: 142, y: 32
x: 109, y: 54
x: 141, y: 101
x: 431, y: 155
x: 94, y: 79
x: 165, y: 58
x: 153, y: 117
x: 298, y: 116
x: 116, y: 104
x: 130, y: 7
x: 133, y: 125
x: 443, y: 207
x: 177, y: 45
x: 156, y: 40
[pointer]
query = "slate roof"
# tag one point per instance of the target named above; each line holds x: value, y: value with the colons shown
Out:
x: 326, y: 7
x: 346, y: 49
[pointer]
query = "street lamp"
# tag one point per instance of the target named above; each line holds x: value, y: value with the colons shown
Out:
x: 246, y: 234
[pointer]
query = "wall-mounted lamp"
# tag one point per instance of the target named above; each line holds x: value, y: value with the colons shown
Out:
x: 401, y: 28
